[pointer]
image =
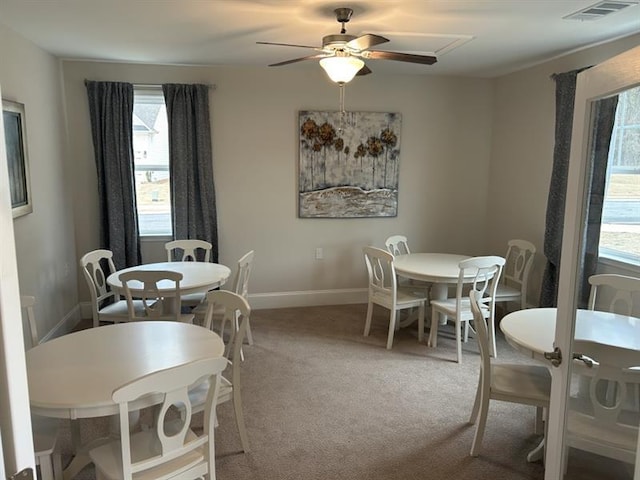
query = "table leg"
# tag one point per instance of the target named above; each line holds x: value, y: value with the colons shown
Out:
x: 537, y: 453
x: 440, y: 291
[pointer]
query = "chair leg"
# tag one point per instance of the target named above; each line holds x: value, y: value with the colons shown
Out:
x: 492, y: 336
x: 476, y: 402
x: 242, y: 430
x: 482, y: 423
x: 539, y: 426
x: 421, y: 323
x: 249, y: 334
x: 433, y: 332
x: 466, y: 332
x: 46, y: 467
x: 57, y: 466
x: 392, y: 328
x: 367, y: 324
x: 459, y: 340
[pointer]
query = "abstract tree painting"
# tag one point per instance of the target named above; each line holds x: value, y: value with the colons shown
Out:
x: 349, y: 164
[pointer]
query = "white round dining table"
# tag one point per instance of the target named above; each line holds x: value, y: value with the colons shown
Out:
x: 196, y: 276
x: 532, y: 331
x: 439, y: 269
x: 74, y: 376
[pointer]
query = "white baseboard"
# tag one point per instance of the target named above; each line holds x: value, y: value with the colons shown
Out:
x: 307, y: 298
x: 67, y: 323
x: 258, y: 301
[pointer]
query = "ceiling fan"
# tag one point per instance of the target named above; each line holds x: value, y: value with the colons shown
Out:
x: 341, y: 54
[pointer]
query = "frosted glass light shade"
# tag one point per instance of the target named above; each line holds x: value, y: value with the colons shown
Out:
x: 341, y: 69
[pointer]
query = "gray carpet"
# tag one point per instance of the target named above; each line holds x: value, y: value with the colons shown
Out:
x: 324, y: 402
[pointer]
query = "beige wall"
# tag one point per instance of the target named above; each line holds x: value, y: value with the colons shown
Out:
x: 44, y: 239
x: 445, y: 148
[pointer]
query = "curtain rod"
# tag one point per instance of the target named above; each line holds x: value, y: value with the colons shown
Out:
x: 212, y: 86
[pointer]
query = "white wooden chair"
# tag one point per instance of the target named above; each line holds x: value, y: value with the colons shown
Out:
x: 190, y: 250
x: 45, y: 430
x: 600, y: 428
x: 159, y: 301
x: 235, y: 308
x: 486, y: 273
x: 106, y: 305
x: 615, y: 292
x: 384, y: 291
x: 515, y: 277
x: 239, y: 285
x: 170, y: 449
x: 397, y: 245
x: 515, y: 383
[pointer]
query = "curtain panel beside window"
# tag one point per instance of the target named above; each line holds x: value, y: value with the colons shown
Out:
x: 190, y: 164
x: 111, y: 110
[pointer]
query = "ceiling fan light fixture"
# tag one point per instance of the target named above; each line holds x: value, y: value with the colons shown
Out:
x: 341, y: 69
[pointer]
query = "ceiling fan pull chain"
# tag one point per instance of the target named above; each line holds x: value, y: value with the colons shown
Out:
x: 343, y: 112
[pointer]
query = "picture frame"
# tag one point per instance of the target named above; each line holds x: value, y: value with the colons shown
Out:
x: 348, y: 164
x: 15, y: 133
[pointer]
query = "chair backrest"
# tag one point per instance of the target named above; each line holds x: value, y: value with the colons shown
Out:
x: 236, y: 311
x: 159, y: 291
x: 241, y: 281
x: 486, y: 272
x: 92, y: 267
x: 382, y: 273
x: 188, y: 250
x: 621, y: 289
x: 611, y: 366
x: 27, y: 303
x: 519, y: 259
x: 397, y: 245
x: 482, y: 336
x: 173, y: 438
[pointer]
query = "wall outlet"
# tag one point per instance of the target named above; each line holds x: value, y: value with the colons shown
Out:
x: 319, y: 253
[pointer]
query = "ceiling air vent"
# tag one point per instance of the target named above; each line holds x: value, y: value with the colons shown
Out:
x: 600, y: 9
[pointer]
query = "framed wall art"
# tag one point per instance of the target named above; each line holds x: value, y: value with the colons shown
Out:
x: 15, y: 134
x: 348, y: 164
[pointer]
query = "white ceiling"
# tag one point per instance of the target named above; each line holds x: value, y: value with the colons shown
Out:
x: 484, y: 38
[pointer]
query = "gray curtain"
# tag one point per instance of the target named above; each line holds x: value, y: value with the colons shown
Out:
x: 565, y: 96
x: 190, y: 164
x: 111, y: 111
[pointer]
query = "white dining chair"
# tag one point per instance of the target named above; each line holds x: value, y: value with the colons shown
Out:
x: 106, y: 304
x: 614, y: 293
x: 397, y: 245
x: 384, y: 291
x: 514, y: 282
x: 45, y: 430
x: 235, y: 308
x: 189, y: 250
x: 485, y: 274
x: 170, y: 449
x: 515, y: 383
x: 239, y: 285
x: 601, y: 428
x: 159, y: 293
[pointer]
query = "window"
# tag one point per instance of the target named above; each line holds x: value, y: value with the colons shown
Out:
x: 620, y: 229
x: 151, y: 162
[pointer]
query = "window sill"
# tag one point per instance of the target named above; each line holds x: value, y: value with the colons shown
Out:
x: 625, y: 266
x: 155, y: 238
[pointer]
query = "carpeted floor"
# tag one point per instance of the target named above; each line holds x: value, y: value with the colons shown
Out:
x: 323, y: 402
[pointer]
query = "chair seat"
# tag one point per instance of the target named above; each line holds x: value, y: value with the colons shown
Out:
x: 108, y: 457
x: 119, y: 309
x: 507, y: 293
x: 448, y: 307
x: 529, y: 383
x: 198, y: 394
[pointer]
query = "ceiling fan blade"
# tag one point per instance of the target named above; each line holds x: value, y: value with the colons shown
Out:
x: 287, y: 45
x: 363, y: 71
x: 365, y: 41
x: 287, y: 62
x: 401, y: 57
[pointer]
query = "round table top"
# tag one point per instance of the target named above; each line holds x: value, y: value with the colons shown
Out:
x: 532, y: 331
x: 74, y: 376
x: 430, y: 267
x: 196, y: 276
